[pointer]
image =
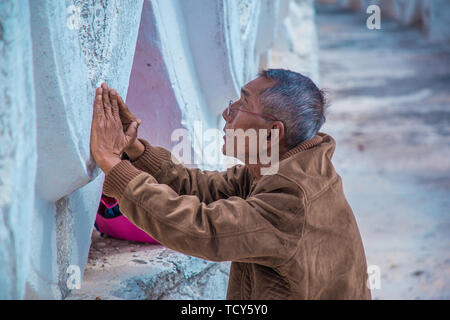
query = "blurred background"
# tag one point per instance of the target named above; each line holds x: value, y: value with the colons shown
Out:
x: 389, y: 93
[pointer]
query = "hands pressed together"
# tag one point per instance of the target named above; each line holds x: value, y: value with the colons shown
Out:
x: 114, y: 129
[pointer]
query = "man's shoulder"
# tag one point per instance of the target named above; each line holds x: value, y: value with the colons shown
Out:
x: 311, y: 169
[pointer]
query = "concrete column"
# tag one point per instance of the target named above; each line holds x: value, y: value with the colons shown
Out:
x: 17, y: 146
x: 296, y: 46
x: 405, y: 11
x: 435, y: 17
x: 76, y: 46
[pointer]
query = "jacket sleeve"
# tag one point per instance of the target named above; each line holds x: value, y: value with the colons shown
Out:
x: 209, y: 186
x: 258, y: 229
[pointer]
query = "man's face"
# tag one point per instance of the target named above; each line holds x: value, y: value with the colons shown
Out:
x: 249, y: 100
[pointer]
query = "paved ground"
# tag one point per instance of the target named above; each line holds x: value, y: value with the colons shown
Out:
x: 389, y: 93
x: 119, y: 269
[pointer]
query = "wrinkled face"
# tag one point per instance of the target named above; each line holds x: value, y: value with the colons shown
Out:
x: 240, y: 119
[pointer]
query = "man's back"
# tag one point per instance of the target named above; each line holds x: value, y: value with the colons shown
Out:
x: 329, y: 261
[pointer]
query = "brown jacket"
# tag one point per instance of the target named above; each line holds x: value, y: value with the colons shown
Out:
x: 291, y: 235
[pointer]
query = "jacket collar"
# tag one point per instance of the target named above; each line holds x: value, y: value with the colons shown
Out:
x: 307, y: 144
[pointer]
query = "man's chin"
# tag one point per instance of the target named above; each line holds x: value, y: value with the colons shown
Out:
x: 224, y: 151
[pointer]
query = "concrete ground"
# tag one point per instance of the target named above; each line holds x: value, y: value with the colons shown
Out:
x: 389, y: 94
x: 120, y: 269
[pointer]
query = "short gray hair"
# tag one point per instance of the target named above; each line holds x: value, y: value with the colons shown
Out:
x: 296, y: 101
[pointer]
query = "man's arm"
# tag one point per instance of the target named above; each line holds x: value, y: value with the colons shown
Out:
x: 261, y: 229
x: 209, y: 186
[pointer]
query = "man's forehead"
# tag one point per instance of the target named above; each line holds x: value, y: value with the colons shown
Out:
x: 257, y: 85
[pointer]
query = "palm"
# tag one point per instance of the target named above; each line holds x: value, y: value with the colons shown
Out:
x: 108, y: 135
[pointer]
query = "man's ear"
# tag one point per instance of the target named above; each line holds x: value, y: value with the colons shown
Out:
x: 276, y: 125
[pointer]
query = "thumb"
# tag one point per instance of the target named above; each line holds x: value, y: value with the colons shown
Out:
x: 132, y: 130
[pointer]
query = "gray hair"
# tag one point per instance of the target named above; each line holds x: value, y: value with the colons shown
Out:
x: 296, y: 101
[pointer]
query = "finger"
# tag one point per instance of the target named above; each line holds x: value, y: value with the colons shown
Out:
x: 125, y: 114
x: 98, y: 105
x: 132, y: 131
x: 114, y: 105
x: 106, y: 102
x: 123, y: 109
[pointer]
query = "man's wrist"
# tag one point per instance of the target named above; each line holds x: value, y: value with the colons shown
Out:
x: 135, y: 150
x: 106, y: 164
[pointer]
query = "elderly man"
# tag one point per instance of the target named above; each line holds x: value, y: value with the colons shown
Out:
x: 290, y: 234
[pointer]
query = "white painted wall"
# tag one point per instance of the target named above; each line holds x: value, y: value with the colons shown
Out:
x: 76, y: 45
x: 48, y: 189
x: 17, y: 146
